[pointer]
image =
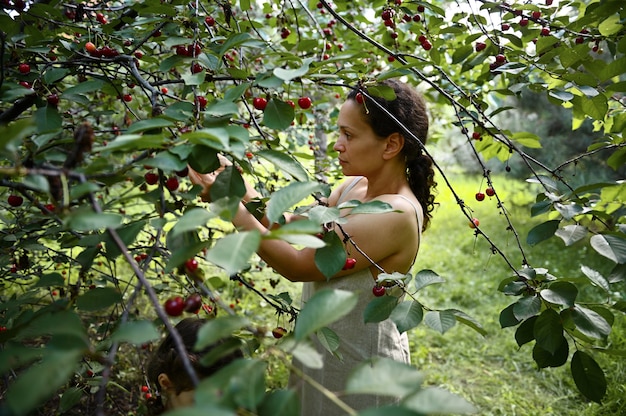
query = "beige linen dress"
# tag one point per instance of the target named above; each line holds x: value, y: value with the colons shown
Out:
x: 358, y: 342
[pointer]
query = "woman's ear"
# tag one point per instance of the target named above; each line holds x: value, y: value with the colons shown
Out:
x: 165, y: 382
x: 395, y: 143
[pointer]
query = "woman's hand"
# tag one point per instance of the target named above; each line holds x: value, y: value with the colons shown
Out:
x: 206, y: 180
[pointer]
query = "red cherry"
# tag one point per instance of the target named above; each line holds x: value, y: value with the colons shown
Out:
x: 580, y: 40
x: 417, y: 18
x: 151, y: 178
x: 191, y: 265
x: 259, y: 103
x: 284, y: 33
x: 545, y: 31
x: 181, y: 50
x: 523, y: 22
x: 164, y: 90
x: 359, y: 98
x: 172, y: 183
x: 193, y: 303
x: 480, y: 196
x: 174, y: 306
x: 387, y: 14
x: 90, y: 47
x: 145, y: 389
x: 53, y: 99
x: 279, y: 332
x: 476, y: 136
x: 427, y: 45
x: 202, y: 101
x: 183, y: 172
x: 505, y: 27
x: 350, y: 263
x: 24, y: 68
x: 249, y: 155
x: 378, y: 291
x: 304, y: 103
x: 127, y: 98
x: 480, y: 46
x: 536, y: 14
x: 291, y: 103
x: 490, y: 192
x: 25, y: 84
x: 421, y: 8
x: 49, y: 207
x: 209, y: 20
x: 196, y: 67
x: 138, y: 54
x: 474, y: 223
x: 148, y: 396
x: 500, y: 58
x: 15, y: 200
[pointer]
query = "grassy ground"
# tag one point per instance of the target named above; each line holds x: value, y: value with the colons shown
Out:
x: 492, y: 372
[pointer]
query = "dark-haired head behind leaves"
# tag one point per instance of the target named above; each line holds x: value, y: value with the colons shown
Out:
x: 166, y: 360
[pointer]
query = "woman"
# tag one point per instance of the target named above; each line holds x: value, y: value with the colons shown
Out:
x: 388, y: 166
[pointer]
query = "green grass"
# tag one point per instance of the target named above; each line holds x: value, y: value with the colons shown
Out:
x: 493, y: 372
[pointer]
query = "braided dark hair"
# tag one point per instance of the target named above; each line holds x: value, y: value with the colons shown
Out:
x: 409, y: 108
x: 167, y: 360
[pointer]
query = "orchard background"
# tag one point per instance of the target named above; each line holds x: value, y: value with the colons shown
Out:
x: 105, y: 243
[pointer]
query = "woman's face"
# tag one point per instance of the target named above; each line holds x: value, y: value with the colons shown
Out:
x: 360, y: 149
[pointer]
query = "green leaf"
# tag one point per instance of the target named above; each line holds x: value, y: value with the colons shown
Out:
x: 548, y: 330
x: 278, y: 114
x: 595, y: 107
x: 542, y: 232
x: 379, y: 309
x: 233, y: 252
x: 289, y: 74
x: 329, y: 339
x: 149, y: 124
x: 136, y: 332
x: 130, y: 142
x: 284, y: 163
x: 407, y: 315
x: 98, y: 298
x: 611, y: 25
x: 50, y: 279
x: 440, y: 321
x: 331, y: 258
x: 322, y: 309
x: 39, y: 382
x: 596, y: 278
x: 507, y: 317
x: 167, y: 161
x: 385, y: 377
x: 526, y: 139
x: 467, y: 320
x: 425, y: 278
x: 544, y: 358
x: 48, y: 119
x: 306, y: 354
x: 219, y: 328
x: 54, y: 74
x: 192, y: 220
x: 590, y: 323
x: 203, y: 159
x: 84, y: 87
x: 525, y: 333
x: 183, y: 246
x: 280, y: 402
x: 87, y: 220
x: 588, y: 376
x: 287, y: 197
x: 70, y: 398
x: 526, y: 307
x: 560, y: 293
x: 610, y: 246
x: 571, y: 234
x: 127, y: 233
x: 434, y: 400
x: 241, y: 383
x: 228, y: 183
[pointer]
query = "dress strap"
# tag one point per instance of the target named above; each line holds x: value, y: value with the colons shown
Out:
x: 419, y: 217
x: 348, y: 188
